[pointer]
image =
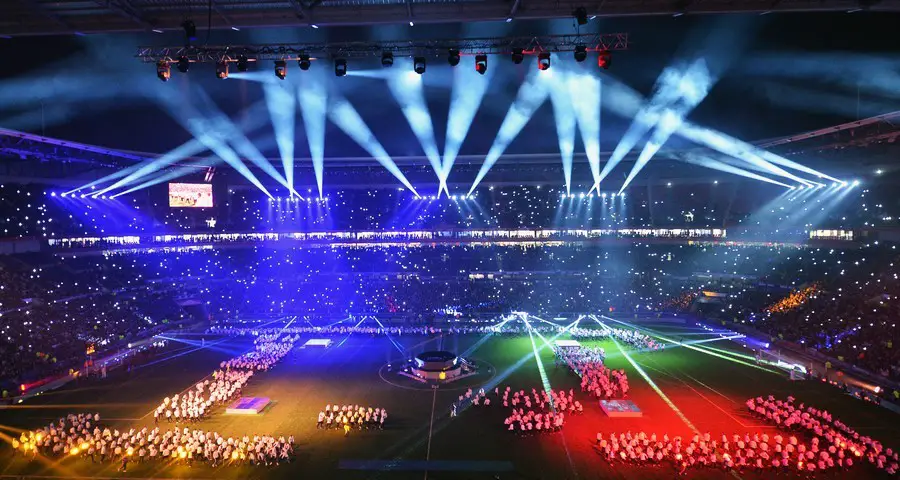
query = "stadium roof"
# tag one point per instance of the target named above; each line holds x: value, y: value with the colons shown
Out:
x: 43, y: 17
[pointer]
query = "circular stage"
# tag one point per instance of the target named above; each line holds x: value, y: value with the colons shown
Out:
x: 437, y: 365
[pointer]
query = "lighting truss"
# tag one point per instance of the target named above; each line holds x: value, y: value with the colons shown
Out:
x: 399, y: 48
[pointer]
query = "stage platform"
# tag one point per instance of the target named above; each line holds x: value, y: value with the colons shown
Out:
x: 318, y: 343
x: 620, y: 409
x: 248, y: 406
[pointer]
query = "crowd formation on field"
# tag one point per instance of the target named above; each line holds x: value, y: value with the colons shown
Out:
x: 224, y: 384
x: 597, y: 379
x: 350, y: 417
x: 813, y: 441
x: 82, y: 435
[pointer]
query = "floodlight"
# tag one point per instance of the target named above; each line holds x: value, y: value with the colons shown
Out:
x: 544, y: 61
x: 517, y: 56
x: 183, y: 64
x: 453, y: 57
x: 604, y: 60
x: 243, y: 64
x: 304, y: 62
x: 280, y: 69
x: 387, y: 59
x: 163, y: 70
x: 419, y: 65
x: 481, y: 63
x: 340, y: 67
x: 222, y: 69
x: 580, y: 53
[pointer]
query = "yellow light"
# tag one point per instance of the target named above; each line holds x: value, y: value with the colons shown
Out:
x: 234, y: 455
x: 84, y: 446
x: 74, y: 451
x: 442, y: 376
x: 38, y: 437
x: 182, y: 454
x: 130, y: 451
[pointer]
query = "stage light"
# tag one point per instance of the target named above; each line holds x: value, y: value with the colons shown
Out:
x: 190, y: 31
x: 580, y: 53
x: 453, y: 57
x: 163, y: 71
x: 183, y: 64
x: 304, y: 62
x: 387, y: 59
x: 243, y: 64
x: 580, y: 15
x: 222, y: 69
x: 419, y: 65
x: 604, y: 60
x: 481, y: 63
x: 517, y: 56
x: 544, y: 61
x: 340, y: 67
x: 280, y: 69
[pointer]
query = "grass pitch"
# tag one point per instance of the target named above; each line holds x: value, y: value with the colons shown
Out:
x: 684, y: 391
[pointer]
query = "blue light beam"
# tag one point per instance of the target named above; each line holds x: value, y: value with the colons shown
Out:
x: 531, y: 96
x: 406, y: 86
x: 469, y: 89
x: 347, y: 119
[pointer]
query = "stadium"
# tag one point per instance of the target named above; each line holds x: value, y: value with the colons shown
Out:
x: 461, y: 239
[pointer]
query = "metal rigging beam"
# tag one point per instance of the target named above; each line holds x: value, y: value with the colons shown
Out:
x: 498, y: 45
x: 833, y: 129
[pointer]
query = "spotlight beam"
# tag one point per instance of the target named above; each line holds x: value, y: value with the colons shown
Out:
x: 347, y: 119
x: 585, y: 94
x: 166, y: 176
x: 313, y: 98
x: 213, y: 136
x: 469, y: 89
x: 222, y: 125
x: 531, y: 96
x: 255, y: 118
x: 678, y: 92
x: 564, y: 114
x: 721, y: 166
x: 741, y: 150
x: 282, y: 110
x: 406, y: 88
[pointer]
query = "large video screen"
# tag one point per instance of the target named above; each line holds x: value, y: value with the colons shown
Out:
x: 190, y: 195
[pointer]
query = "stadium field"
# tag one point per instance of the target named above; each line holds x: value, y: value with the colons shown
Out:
x: 680, y: 391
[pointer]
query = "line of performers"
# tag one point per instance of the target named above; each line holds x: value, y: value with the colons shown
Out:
x: 226, y: 383
x: 82, y: 435
x: 348, y: 417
